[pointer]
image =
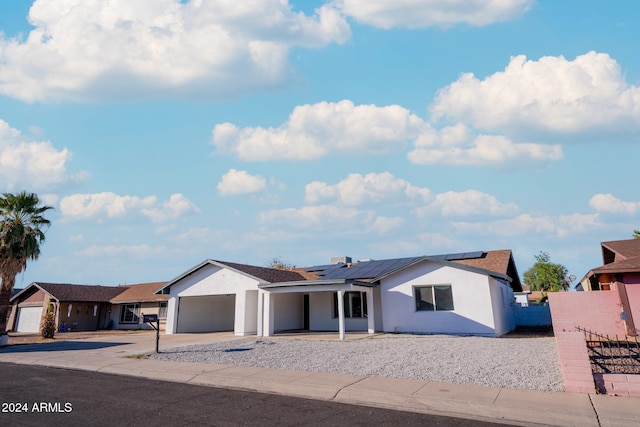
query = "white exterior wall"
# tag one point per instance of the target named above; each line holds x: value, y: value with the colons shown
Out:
x: 289, y: 311
x: 214, y: 280
x: 503, y: 302
x: 472, y: 303
x: 321, y: 314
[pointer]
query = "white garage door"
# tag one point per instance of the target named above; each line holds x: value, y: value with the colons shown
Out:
x: 210, y: 313
x: 29, y: 319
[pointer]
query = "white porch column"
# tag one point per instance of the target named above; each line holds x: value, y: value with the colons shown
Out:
x: 260, y: 327
x: 371, y: 324
x: 268, y: 310
x: 341, y: 314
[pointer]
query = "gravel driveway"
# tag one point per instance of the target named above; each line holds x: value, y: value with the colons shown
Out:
x: 524, y: 363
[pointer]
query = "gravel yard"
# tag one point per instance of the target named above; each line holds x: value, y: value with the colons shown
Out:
x: 525, y: 363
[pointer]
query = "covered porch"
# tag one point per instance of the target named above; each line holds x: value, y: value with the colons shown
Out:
x: 349, y: 302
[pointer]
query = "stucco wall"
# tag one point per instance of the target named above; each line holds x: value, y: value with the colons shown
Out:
x: 81, y: 317
x: 321, y: 315
x: 289, y: 311
x: 472, y: 312
x: 214, y: 280
x: 503, y: 302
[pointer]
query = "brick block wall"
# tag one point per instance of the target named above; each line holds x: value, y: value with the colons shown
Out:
x: 618, y: 384
x: 598, y: 311
x: 574, y: 362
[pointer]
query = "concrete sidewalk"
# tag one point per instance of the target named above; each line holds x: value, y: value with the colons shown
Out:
x: 119, y: 354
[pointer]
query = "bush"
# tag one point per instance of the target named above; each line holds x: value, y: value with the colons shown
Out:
x: 48, y: 328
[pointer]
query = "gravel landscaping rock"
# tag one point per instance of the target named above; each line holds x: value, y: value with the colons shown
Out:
x: 524, y: 363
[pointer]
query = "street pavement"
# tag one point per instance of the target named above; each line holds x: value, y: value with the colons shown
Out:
x: 81, y: 398
x: 120, y: 354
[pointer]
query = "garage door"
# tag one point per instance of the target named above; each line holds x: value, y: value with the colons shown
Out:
x: 210, y: 313
x: 29, y: 319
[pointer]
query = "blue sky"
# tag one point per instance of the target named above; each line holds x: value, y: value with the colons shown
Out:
x: 166, y: 132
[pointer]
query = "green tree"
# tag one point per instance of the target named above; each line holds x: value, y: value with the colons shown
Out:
x: 636, y: 234
x: 545, y: 275
x: 22, y: 225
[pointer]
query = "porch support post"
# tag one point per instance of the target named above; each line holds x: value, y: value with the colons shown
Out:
x: 370, y: 312
x: 260, y: 328
x: 268, y: 327
x: 341, y: 314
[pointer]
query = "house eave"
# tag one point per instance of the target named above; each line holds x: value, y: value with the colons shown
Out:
x: 318, y: 282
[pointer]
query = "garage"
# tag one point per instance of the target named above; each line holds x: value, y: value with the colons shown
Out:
x: 207, y: 313
x: 29, y: 319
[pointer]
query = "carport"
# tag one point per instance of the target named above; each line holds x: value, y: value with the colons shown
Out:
x: 206, y: 313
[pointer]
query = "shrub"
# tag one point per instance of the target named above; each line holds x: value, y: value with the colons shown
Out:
x: 48, y: 328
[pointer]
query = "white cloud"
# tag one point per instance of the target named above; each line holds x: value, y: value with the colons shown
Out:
x: 359, y: 189
x: 385, y: 225
x: 607, y: 203
x: 527, y: 225
x: 323, y: 216
x: 466, y: 203
x: 237, y: 182
x: 87, y: 50
x: 110, y: 205
x: 552, y: 94
x: 31, y: 164
x: 314, y: 131
x: 455, y: 145
x: 424, y: 13
x: 174, y: 208
x: 137, y: 251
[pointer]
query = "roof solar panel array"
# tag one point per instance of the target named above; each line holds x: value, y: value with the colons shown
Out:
x: 361, y: 270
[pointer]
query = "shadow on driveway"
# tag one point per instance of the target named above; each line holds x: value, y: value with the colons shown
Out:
x: 59, y: 346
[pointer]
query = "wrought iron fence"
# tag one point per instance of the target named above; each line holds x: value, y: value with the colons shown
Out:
x: 609, y: 355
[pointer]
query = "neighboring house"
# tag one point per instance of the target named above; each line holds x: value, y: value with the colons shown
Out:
x: 76, y: 307
x: 619, y: 273
x: 84, y: 307
x: 621, y: 263
x: 136, y: 300
x: 470, y: 293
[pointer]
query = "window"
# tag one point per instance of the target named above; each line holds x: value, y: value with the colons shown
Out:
x: 162, y: 310
x: 355, y: 304
x: 433, y: 298
x: 130, y: 313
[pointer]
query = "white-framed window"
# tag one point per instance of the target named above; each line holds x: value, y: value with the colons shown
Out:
x: 433, y: 298
x: 130, y: 313
x: 162, y: 310
x: 355, y: 304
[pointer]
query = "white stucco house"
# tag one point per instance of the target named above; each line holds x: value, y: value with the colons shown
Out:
x: 467, y: 294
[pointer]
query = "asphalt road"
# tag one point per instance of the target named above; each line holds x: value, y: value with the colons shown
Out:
x: 36, y: 396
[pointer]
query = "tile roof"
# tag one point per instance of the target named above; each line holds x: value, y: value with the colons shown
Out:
x: 270, y: 275
x: 88, y: 293
x: 143, y: 292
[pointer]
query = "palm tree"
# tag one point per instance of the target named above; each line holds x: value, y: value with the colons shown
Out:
x: 21, y: 232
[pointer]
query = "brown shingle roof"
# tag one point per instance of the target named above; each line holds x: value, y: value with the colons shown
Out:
x: 497, y: 261
x: 143, y: 292
x: 500, y: 261
x: 270, y: 275
x: 88, y: 293
x: 626, y: 248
